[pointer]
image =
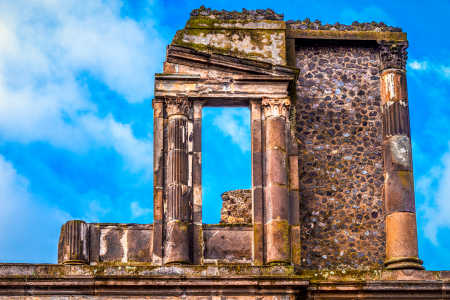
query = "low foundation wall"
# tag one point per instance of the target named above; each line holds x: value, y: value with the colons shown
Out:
x: 32, y: 281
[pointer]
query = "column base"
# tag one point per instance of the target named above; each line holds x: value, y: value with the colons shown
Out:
x: 178, y: 243
x: 398, y: 263
x: 278, y: 246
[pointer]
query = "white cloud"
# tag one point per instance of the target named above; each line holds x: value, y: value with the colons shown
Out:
x: 138, y: 211
x: 446, y: 71
x: 439, y: 69
x: 435, y: 188
x: 417, y: 65
x: 23, y: 219
x: 235, y: 123
x: 137, y: 153
x: 46, y: 45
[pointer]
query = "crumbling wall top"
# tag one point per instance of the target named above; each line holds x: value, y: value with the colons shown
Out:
x: 307, y: 24
x: 255, y: 15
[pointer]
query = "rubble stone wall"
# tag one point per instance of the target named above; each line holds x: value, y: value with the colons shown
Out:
x: 339, y: 130
x: 236, y: 207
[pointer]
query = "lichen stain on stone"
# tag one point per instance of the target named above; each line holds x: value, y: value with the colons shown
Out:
x: 401, y: 150
x: 389, y: 85
x: 103, y: 241
x: 265, y: 45
x: 210, y: 22
x: 124, y: 243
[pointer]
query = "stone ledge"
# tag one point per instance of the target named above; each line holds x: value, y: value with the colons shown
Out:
x: 226, y: 280
x: 345, y: 35
x: 237, y: 270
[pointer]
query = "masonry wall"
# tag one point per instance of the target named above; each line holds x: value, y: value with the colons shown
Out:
x: 339, y: 129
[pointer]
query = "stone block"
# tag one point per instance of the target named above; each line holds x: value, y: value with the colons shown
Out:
x: 399, y: 192
x: 276, y: 133
x: 397, y: 153
x: 178, y: 242
x: 278, y: 241
x: 139, y: 245
x: 276, y: 167
x: 393, y: 86
x: 401, y: 235
x: 277, y: 203
x: 231, y: 244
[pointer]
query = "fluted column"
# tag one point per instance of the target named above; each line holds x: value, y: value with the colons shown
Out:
x: 401, y: 228
x: 73, y: 247
x: 178, y: 216
x: 276, y: 194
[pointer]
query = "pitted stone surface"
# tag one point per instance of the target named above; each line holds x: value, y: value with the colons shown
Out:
x: 258, y: 14
x: 236, y: 207
x: 341, y: 174
x: 307, y: 24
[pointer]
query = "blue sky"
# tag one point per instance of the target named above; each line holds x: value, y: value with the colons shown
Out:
x: 76, y: 83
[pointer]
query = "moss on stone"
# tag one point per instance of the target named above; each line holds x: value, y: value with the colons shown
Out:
x: 260, y: 40
x: 346, y: 35
x: 208, y: 22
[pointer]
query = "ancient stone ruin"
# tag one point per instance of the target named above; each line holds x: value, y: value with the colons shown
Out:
x: 236, y: 207
x: 331, y: 212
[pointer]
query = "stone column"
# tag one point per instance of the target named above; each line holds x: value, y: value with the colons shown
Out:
x: 179, y: 206
x: 73, y: 246
x: 401, y: 228
x: 276, y: 194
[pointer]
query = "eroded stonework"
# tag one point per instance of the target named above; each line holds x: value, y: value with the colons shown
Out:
x: 236, y: 207
x: 339, y: 126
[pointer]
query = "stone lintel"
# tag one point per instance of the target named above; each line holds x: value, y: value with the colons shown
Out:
x: 345, y: 35
x: 199, y: 59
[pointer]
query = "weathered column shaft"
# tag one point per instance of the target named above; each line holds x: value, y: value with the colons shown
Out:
x: 73, y: 247
x: 401, y: 228
x: 178, y: 216
x: 276, y: 192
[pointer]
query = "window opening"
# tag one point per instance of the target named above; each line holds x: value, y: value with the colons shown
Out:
x: 226, y: 164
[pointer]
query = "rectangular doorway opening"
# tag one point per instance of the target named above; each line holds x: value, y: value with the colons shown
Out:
x: 226, y: 165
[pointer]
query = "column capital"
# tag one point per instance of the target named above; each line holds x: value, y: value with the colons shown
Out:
x: 178, y: 105
x: 276, y: 107
x: 393, y: 55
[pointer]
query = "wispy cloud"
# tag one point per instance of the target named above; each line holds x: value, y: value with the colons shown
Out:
x: 418, y: 65
x: 429, y: 66
x: 435, y: 188
x: 235, y: 124
x: 46, y: 45
x: 138, y: 211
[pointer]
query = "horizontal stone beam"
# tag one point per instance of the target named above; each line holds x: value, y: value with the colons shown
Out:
x: 345, y: 35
